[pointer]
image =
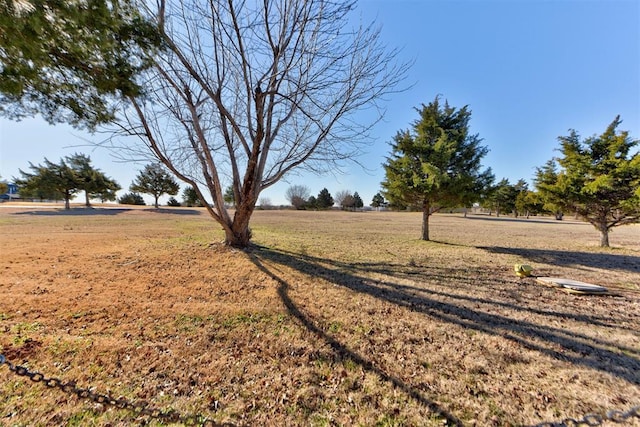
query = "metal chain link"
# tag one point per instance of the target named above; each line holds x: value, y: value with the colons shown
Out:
x: 596, y: 419
x: 139, y: 408
x: 142, y: 408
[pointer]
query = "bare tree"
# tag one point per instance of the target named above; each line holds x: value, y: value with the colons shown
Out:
x: 343, y: 198
x: 265, y: 203
x: 246, y: 91
x: 297, y: 195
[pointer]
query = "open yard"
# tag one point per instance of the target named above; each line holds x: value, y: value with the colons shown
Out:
x: 333, y: 318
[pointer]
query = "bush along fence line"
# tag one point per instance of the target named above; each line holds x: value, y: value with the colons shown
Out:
x: 171, y: 416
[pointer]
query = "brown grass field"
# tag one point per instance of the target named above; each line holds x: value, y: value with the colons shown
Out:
x: 333, y: 318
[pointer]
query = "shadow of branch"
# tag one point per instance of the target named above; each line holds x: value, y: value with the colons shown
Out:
x: 562, y: 258
x: 341, y: 349
x: 558, y: 343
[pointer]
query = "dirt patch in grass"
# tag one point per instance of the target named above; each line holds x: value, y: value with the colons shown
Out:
x: 331, y: 319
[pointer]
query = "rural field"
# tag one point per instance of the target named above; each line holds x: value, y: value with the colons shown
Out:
x: 331, y: 319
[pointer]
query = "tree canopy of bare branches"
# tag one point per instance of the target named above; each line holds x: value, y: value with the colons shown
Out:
x: 247, y: 91
x: 297, y: 195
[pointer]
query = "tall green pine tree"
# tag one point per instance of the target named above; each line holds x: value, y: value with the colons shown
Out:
x: 324, y: 199
x: 436, y: 164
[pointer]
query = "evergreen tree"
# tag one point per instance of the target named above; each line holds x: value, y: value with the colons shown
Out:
x: 190, y: 197
x: 599, y: 179
x: 545, y: 181
x: 519, y: 188
x: 65, y: 179
x: 529, y: 203
x: 311, y: 203
x: 324, y: 199
x: 357, y: 201
x: 436, y: 164
x: 502, y: 197
x: 104, y: 189
x: 228, y: 196
x: 70, y: 60
x: 94, y: 183
x: 156, y: 181
x: 107, y: 192
x: 54, y: 181
x: 377, y: 201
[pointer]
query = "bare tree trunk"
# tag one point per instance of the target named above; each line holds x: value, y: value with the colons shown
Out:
x: 425, y: 220
x: 239, y: 234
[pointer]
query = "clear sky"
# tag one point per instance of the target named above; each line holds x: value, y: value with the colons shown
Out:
x: 529, y: 70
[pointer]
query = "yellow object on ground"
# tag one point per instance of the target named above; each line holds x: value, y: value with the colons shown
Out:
x: 523, y: 270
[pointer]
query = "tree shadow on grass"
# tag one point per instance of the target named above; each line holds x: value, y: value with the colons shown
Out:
x: 340, y: 348
x: 84, y: 211
x: 549, y: 221
x: 575, y: 259
x: 174, y: 211
x: 75, y: 212
x: 555, y: 342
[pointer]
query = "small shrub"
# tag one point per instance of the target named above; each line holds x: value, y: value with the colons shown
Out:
x: 173, y: 202
x: 131, y: 199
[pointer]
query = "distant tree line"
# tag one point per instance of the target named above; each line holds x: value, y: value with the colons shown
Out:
x: 74, y: 174
x: 433, y: 166
x: 300, y: 198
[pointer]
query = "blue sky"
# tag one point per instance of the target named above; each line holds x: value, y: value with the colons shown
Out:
x: 529, y: 71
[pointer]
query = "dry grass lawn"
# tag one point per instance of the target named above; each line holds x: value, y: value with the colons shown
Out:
x: 333, y: 318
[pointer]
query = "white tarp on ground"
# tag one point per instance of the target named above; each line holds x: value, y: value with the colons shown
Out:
x: 573, y: 286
